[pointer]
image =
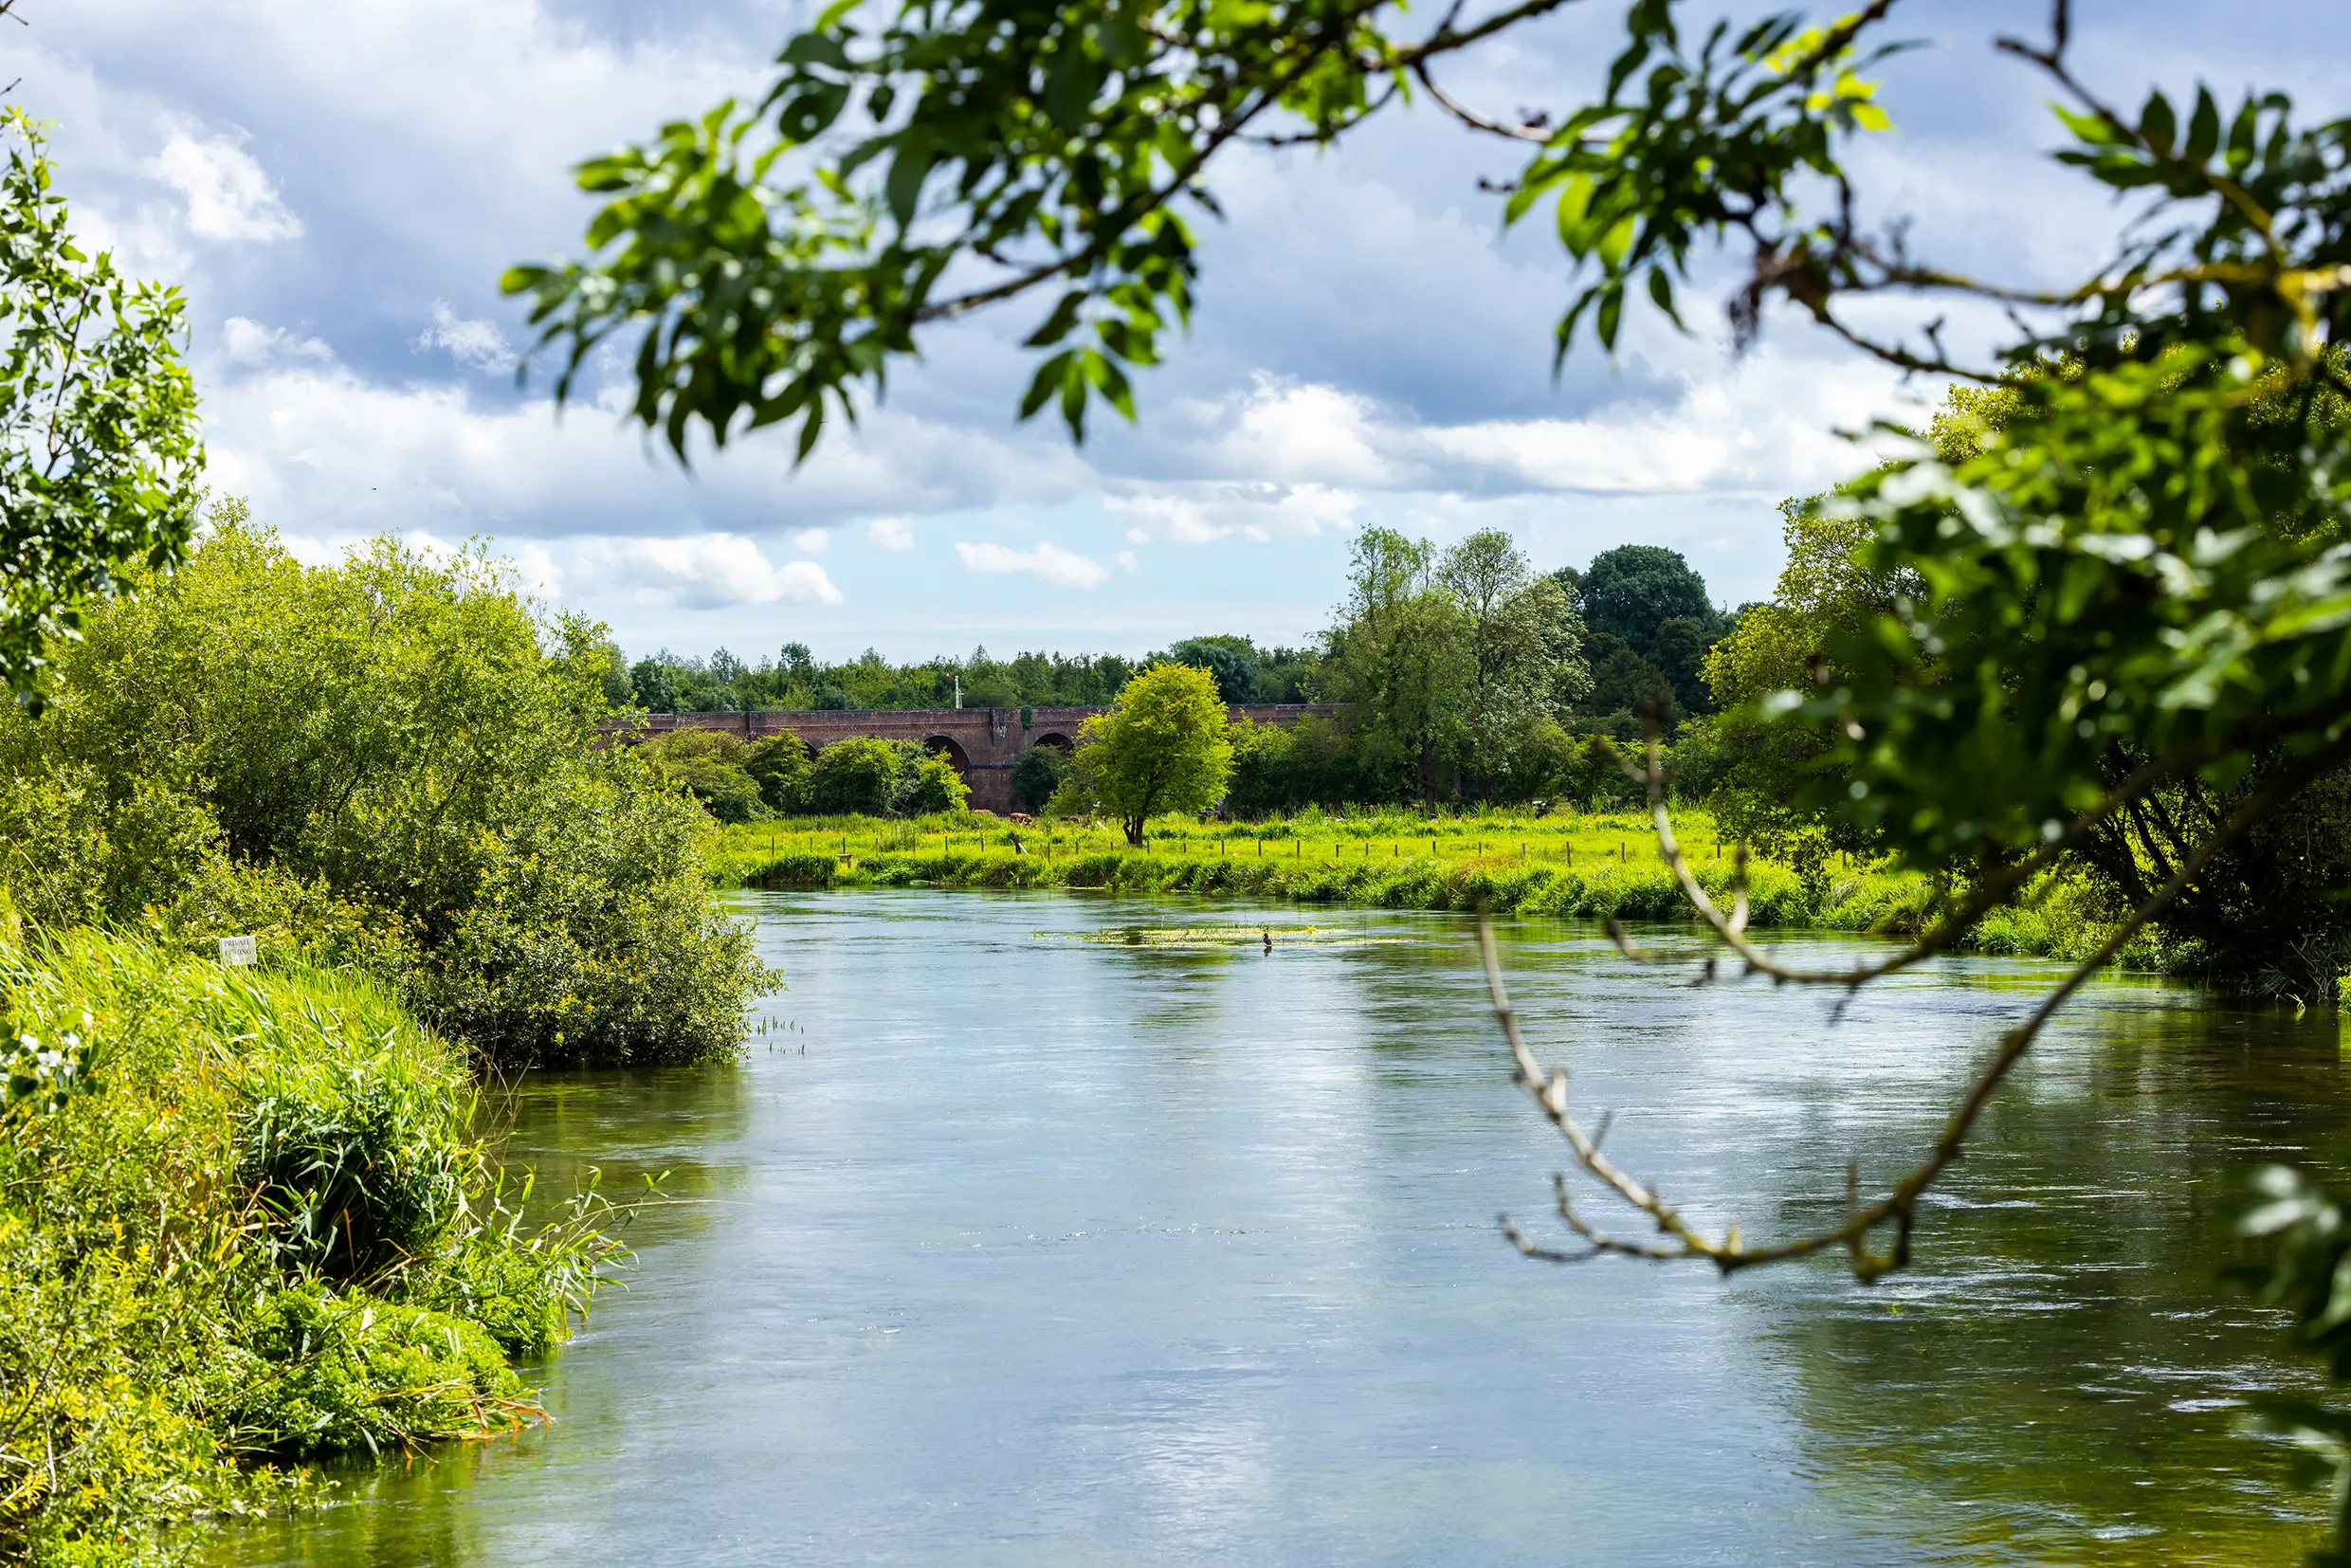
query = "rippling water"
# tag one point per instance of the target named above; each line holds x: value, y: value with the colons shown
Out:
x: 1012, y: 1244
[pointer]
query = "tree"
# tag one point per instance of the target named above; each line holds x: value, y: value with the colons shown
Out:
x: 1162, y: 749
x: 1633, y: 590
x: 2145, y: 558
x: 780, y: 764
x: 855, y: 778
x: 656, y: 689
x: 932, y: 786
x: 1399, y: 658
x: 1231, y: 660
x: 99, y: 458
x: 1524, y: 660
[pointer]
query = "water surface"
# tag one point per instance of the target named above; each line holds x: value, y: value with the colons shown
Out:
x: 1009, y: 1244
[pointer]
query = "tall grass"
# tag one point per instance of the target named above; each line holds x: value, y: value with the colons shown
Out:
x: 249, y: 1226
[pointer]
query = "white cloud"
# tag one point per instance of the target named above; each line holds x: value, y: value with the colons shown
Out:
x: 1203, y: 514
x: 1285, y: 432
x: 894, y: 534
x: 227, y: 194
x: 250, y: 342
x: 810, y: 541
x: 1062, y: 568
x: 701, y: 571
x: 478, y: 344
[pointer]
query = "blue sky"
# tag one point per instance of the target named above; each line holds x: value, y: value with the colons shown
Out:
x: 340, y: 186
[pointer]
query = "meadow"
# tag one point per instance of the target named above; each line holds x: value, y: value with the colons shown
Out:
x: 1578, y: 865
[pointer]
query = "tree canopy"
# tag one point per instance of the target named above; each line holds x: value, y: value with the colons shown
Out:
x: 1162, y: 749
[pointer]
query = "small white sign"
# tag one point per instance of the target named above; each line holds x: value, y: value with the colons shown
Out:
x: 239, y: 950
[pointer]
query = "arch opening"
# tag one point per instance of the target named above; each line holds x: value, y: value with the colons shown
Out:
x: 950, y: 748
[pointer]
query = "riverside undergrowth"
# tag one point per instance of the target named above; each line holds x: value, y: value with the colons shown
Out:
x: 244, y: 1223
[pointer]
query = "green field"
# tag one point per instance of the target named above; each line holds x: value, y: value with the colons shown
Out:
x: 1570, y: 865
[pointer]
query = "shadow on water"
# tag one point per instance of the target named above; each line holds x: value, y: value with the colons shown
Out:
x: 1086, y: 1231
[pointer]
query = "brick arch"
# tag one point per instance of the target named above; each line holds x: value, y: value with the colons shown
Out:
x: 1054, y: 738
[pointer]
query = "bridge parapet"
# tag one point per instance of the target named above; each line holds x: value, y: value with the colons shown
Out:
x: 989, y: 740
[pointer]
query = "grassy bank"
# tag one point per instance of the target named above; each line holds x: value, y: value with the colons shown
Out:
x: 242, y: 1225
x: 1582, y: 865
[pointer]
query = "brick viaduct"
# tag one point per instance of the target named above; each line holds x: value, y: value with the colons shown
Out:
x: 983, y: 743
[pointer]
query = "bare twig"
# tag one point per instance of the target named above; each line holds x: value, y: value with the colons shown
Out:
x: 1896, y: 1208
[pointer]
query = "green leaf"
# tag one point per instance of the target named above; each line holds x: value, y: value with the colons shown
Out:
x: 2203, y: 127
x: 1057, y: 326
x: 1042, y: 386
x: 908, y: 170
x: 2157, y: 124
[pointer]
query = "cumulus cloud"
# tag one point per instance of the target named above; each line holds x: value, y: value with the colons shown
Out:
x: 229, y: 196
x: 701, y: 571
x: 476, y: 344
x: 250, y: 343
x: 1062, y: 568
x: 894, y: 534
x: 1203, y: 514
x: 810, y: 542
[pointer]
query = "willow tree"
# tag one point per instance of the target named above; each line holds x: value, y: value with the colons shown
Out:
x: 2147, y: 557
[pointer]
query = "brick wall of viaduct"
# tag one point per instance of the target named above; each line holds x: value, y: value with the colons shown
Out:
x: 982, y: 742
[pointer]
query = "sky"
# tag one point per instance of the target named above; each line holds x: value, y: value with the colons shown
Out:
x: 337, y: 189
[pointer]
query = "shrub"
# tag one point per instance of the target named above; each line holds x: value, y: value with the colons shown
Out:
x: 855, y: 778
x: 780, y: 764
x: 931, y: 787
x: 391, y: 745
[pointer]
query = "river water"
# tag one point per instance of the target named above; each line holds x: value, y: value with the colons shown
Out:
x: 1042, y: 1230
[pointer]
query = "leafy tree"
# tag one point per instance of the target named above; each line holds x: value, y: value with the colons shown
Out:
x: 1400, y: 658
x: 931, y: 786
x: 709, y: 765
x: 1679, y: 651
x: 1628, y: 683
x: 656, y: 689
x: 1635, y: 589
x: 1037, y: 774
x: 856, y: 776
x: 98, y: 451
x: 781, y: 765
x: 1525, y: 650
x: 1162, y: 749
x: 1232, y: 661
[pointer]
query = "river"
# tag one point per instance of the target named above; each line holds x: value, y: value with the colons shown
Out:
x: 1045, y: 1229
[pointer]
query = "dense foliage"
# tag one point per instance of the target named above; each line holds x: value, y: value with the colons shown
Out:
x: 100, y: 461
x: 391, y: 762
x: 1162, y: 749
x: 247, y: 1227
x: 795, y: 680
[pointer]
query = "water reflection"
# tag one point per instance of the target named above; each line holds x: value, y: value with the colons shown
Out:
x: 1052, y: 1250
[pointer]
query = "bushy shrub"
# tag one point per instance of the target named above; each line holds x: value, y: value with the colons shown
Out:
x: 780, y: 764
x: 930, y: 787
x: 709, y: 765
x: 855, y: 778
x: 394, y: 745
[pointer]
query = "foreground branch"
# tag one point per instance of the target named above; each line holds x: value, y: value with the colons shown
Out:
x: 1897, y: 1209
